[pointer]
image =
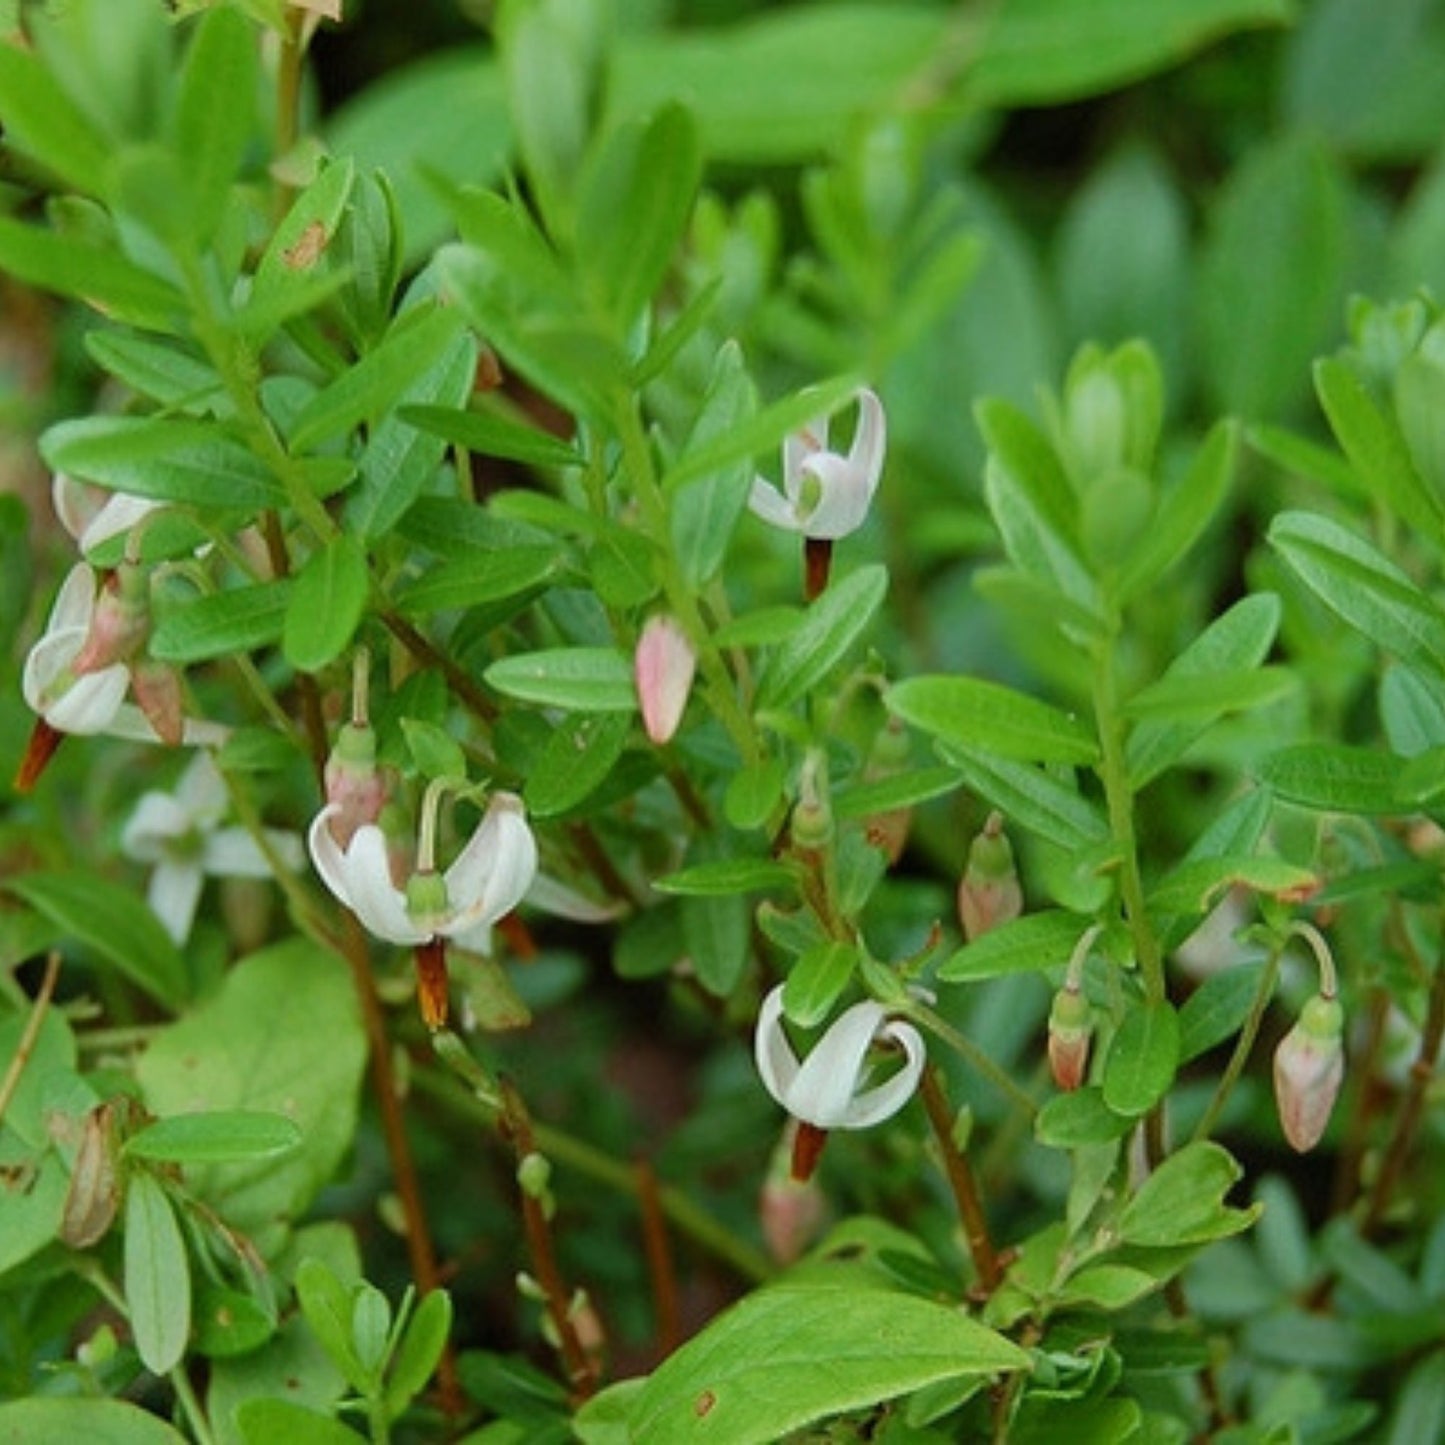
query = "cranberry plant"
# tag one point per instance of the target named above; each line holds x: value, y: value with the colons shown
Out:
x: 661, y: 794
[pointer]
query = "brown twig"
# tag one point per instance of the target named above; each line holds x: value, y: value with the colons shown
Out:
x: 26, y: 1045
x: 660, y: 1270
x: 960, y: 1178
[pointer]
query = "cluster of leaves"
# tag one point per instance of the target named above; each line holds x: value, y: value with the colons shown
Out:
x: 470, y: 379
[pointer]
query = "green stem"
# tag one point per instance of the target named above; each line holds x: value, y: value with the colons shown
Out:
x: 1243, y: 1046
x: 972, y: 1055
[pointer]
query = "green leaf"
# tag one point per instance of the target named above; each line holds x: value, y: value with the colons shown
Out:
x: 1336, y: 778
x: 230, y: 1322
x: 716, y: 937
x: 265, y: 1421
x: 169, y: 460
x: 583, y: 679
x: 1194, y: 886
x: 476, y: 580
x: 217, y: 1135
x: 1217, y: 1008
x: 307, y: 227
x: 42, y: 120
x: 491, y: 435
x: 1078, y: 1119
x: 833, y: 623
x: 1028, y: 944
x: 790, y: 1354
x: 1236, y: 642
x: 112, y: 921
x: 970, y: 712
x: 157, y: 369
x: 1363, y: 587
x: 754, y: 793
x: 1299, y: 456
x: 226, y: 622
x: 435, y: 752
x: 1036, y: 799
x: 327, y: 1305
x: 725, y: 876
x: 328, y: 599
x: 1419, y: 404
x: 96, y: 1422
x: 416, y: 341
x: 816, y: 980
x: 212, y: 121
x: 1142, y: 1059
x: 578, y: 758
x: 1371, y: 438
x: 1182, y: 1201
x: 903, y: 790
x: 157, y: 1275
x: 1186, y: 698
x: 633, y: 203
x: 420, y: 1349
x: 255, y: 1045
x: 74, y: 267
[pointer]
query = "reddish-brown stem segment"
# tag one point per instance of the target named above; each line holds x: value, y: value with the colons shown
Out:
x: 961, y: 1181
x: 660, y: 1270
x: 817, y: 563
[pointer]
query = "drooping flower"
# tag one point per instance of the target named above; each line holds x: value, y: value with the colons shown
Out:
x: 826, y: 495
x: 1309, y: 1066
x: 830, y: 1089
x: 663, y: 669
x: 181, y: 834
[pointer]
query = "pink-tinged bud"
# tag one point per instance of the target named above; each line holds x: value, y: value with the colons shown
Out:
x: 157, y: 688
x: 1309, y: 1065
x: 888, y: 831
x: 989, y: 894
x: 119, y: 622
x: 811, y: 824
x: 1071, y: 1031
x: 663, y: 666
x: 791, y: 1214
x: 353, y: 782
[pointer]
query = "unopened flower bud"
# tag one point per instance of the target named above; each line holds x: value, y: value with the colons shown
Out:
x: 790, y: 1213
x: 812, y: 820
x: 989, y: 894
x: 353, y: 781
x: 119, y: 623
x: 1309, y: 1065
x: 888, y: 756
x: 157, y: 688
x: 663, y: 668
x: 1071, y: 1031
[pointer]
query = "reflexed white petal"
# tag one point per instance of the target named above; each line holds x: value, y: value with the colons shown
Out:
x: 77, y: 504
x: 75, y: 602
x: 767, y: 502
x: 174, y: 891
x: 71, y: 705
x: 870, y: 441
x: 117, y: 516
x: 876, y: 1104
x: 201, y: 791
x: 372, y: 896
x: 158, y: 820
x: 496, y: 868
x: 798, y: 446
x: 843, y: 501
x: 773, y: 1054
x: 326, y: 854
x: 552, y: 896
x: 234, y: 853
x: 824, y: 1089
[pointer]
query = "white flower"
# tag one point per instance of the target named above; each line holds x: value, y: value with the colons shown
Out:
x: 93, y: 515
x: 180, y: 834
x: 825, y: 495
x: 485, y: 883
x: 94, y: 701
x: 827, y: 1090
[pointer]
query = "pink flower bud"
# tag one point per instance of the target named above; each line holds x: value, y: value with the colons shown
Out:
x: 790, y: 1213
x: 663, y: 666
x: 1071, y: 1030
x: 157, y: 688
x: 989, y: 893
x: 1309, y: 1065
x: 353, y: 782
x: 119, y: 623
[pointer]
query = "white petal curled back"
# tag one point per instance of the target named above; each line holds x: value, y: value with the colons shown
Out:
x: 360, y: 877
x: 81, y: 705
x: 496, y: 868
x: 824, y: 1090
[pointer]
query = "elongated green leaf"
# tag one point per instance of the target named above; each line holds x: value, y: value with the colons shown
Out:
x: 213, y: 1136
x: 1143, y: 1057
x: 901, y: 791
x: 493, y: 436
x: 715, y: 936
x: 169, y: 460
x: 1195, y: 886
x: 1078, y: 1119
x: 579, y: 757
x: 157, y: 1275
x: 77, y: 268
x: 816, y: 980
x: 1182, y: 1201
x: 726, y: 876
x: 295, y: 250
x: 1300, y: 456
x: 586, y: 679
x: 155, y: 369
x: 420, y: 1349
x: 96, y: 1422
x: 238, y: 621
x: 1215, y: 1010
x: 1370, y: 437
x: 972, y: 713
x: 1036, y: 799
x: 114, y: 923
x: 328, y: 598
x: 1337, y: 778
x: 471, y: 581
x: 788, y: 1355
x: 1363, y: 587
x: 1032, y: 943
x: 633, y: 203
x: 40, y: 118
x: 834, y: 622
x: 1185, y: 698
x: 418, y: 340
x: 1236, y: 642
x: 214, y: 113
